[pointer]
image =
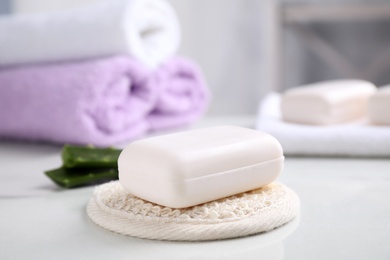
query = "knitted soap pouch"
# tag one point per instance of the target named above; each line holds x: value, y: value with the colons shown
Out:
x: 261, y: 210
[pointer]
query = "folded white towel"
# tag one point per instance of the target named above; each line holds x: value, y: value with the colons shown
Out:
x: 145, y: 29
x: 350, y: 139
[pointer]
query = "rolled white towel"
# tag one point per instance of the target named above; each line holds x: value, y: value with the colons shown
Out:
x: 145, y: 29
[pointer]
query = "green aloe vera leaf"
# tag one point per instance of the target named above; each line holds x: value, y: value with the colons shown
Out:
x: 89, y: 157
x: 70, y: 178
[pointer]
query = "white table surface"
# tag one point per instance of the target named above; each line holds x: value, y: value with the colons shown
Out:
x: 345, y: 214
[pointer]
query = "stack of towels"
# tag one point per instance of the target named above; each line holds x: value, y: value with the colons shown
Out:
x: 333, y: 118
x: 100, y: 74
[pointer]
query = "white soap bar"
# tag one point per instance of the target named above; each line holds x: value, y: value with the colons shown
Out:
x: 189, y: 168
x: 379, y: 107
x: 328, y: 102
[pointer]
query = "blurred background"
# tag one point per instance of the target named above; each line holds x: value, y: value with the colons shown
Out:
x: 79, y: 79
x: 249, y: 47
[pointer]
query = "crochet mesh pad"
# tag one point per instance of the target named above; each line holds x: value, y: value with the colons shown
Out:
x: 260, y: 210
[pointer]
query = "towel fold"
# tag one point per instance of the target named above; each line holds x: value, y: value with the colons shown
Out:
x: 101, y: 102
x: 183, y: 95
x: 350, y: 139
x: 145, y: 29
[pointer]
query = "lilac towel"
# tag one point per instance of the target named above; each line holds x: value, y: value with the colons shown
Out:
x: 100, y: 102
x: 183, y: 95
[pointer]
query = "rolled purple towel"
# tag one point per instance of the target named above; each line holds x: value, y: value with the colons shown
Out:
x: 100, y: 102
x: 183, y: 95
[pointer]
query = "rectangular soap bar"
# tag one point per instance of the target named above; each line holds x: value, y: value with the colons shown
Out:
x: 328, y: 102
x: 189, y: 168
x: 379, y: 107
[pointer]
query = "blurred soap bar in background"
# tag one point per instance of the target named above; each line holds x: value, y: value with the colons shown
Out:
x: 328, y: 102
x: 379, y: 107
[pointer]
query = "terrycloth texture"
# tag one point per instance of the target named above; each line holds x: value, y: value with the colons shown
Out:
x: 183, y: 97
x: 145, y: 29
x: 350, y: 139
x: 100, y: 102
x: 261, y: 210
